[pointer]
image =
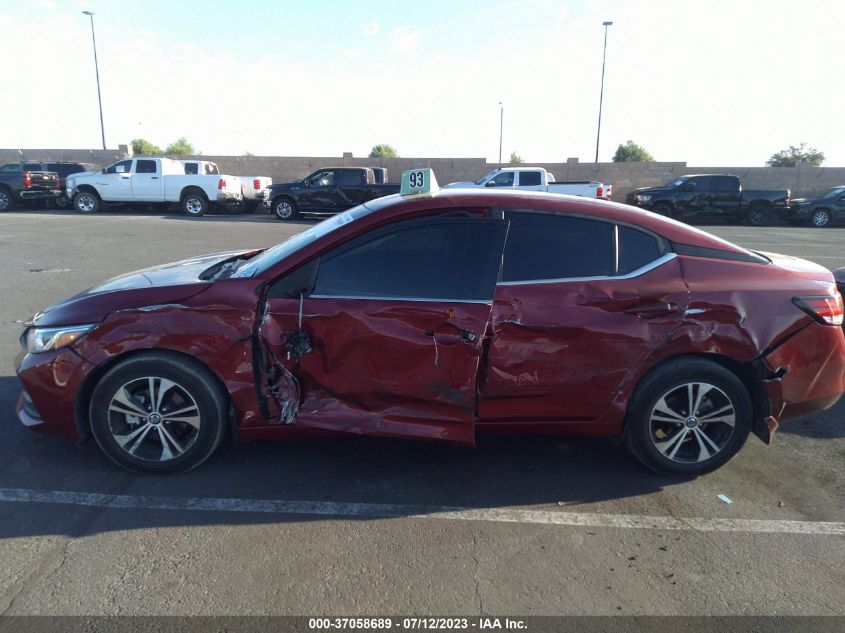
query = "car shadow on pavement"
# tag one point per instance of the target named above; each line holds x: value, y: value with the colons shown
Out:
x: 825, y: 425
x: 500, y: 472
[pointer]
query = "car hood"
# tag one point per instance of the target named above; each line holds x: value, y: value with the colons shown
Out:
x: 168, y: 283
x: 650, y: 190
x: 839, y: 275
x: 802, y: 201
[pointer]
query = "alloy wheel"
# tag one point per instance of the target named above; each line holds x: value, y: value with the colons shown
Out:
x: 5, y: 201
x: 154, y: 418
x: 821, y: 218
x: 692, y: 422
x: 86, y: 203
x: 193, y: 206
x: 283, y: 210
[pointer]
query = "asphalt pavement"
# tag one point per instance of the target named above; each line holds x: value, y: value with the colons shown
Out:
x: 528, y: 526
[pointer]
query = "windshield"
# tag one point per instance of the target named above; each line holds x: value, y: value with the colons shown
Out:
x: 834, y: 192
x: 277, y: 253
x: 676, y: 183
x: 485, y: 177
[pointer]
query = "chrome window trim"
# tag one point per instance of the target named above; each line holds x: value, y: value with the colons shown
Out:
x: 634, y: 273
x: 414, y: 299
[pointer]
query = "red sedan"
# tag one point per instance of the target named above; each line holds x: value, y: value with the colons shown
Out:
x: 443, y: 317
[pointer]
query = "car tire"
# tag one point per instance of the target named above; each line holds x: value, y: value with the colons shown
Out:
x: 759, y: 215
x: 5, y: 199
x: 86, y: 202
x: 688, y: 417
x: 250, y: 206
x: 665, y: 209
x: 130, y: 407
x: 285, y: 209
x: 194, y: 204
x: 820, y: 218
x: 62, y: 202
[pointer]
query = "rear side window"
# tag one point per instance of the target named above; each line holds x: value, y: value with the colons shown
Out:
x: 636, y: 249
x: 529, y: 178
x: 32, y: 167
x: 351, y: 177
x: 546, y: 246
x: 145, y: 167
x: 726, y: 184
x: 211, y: 170
x: 447, y: 259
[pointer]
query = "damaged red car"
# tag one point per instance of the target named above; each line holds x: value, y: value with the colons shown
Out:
x: 445, y: 316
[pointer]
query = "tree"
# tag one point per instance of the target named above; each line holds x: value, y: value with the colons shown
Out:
x: 800, y: 154
x: 248, y: 154
x: 516, y: 159
x: 142, y: 147
x: 181, y: 148
x: 383, y: 151
x: 630, y: 152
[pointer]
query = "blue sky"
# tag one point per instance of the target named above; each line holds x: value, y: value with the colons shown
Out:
x: 716, y: 83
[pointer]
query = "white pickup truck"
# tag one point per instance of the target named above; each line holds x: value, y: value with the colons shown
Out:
x: 536, y: 179
x: 151, y: 181
x: 255, y: 189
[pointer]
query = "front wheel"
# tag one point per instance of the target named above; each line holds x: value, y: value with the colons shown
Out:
x: 820, y: 218
x: 688, y: 417
x: 5, y: 200
x: 86, y: 202
x: 664, y: 208
x: 759, y: 215
x: 158, y: 413
x: 285, y: 209
x: 194, y: 204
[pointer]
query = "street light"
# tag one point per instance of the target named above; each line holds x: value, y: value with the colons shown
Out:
x: 601, y: 94
x: 501, y: 127
x: 90, y: 14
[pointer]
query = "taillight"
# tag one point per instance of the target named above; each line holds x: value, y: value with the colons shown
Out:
x: 221, y: 184
x: 27, y: 180
x: 600, y: 192
x: 826, y: 309
x: 256, y: 184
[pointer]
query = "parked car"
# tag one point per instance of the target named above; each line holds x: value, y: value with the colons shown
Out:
x: 445, y: 316
x: 712, y: 197
x: 819, y: 211
x: 152, y: 181
x: 534, y: 179
x: 380, y: 174
x: 26, y: 182
x: 253, y: 188
x: 327, y: 191
x: 63, y: 169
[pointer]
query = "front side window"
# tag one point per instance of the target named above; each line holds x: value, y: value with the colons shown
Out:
x: 322, y: 179
x: 145, y: 167
x: 547, y: 246
x: 123, y: 167
x: 504, y: 179
x: 529, y: 178
x: 443, y: 259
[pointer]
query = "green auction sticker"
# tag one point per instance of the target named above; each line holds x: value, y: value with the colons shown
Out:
x: 418, y: 181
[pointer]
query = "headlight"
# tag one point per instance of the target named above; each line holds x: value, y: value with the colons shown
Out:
x: 643, y: 198
x: 49, y: 338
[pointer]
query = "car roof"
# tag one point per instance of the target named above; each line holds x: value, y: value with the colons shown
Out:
x: 536, y: 200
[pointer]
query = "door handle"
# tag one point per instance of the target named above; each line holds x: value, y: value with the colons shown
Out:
x: 153, y: 177
x: 452, y: 338
x: 651, y: 309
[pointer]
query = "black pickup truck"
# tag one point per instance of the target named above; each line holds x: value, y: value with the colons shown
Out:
x: 713, y: 197
x: 327, y: 191
x: 24, y: 182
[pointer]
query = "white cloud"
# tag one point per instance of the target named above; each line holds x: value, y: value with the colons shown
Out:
x: 370, y: 28
x: 405, y: 41
x: 352, y: 52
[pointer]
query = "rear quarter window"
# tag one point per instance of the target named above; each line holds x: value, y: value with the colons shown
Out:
x: 636, y: 249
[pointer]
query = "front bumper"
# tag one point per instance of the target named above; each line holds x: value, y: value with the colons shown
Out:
x: 37, y: 194
x: 795, y: 213
x: 51, y: 383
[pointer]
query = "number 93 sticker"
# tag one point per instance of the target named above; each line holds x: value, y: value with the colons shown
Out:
x: 418, y: 181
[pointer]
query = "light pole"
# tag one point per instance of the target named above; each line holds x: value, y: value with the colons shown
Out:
x: 501, y: 127
x: 601, y: 94
x: 90, y: 14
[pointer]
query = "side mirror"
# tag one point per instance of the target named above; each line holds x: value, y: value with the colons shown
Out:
x: 689, y: 187
x: 490, y: 183
x: 105, y: 170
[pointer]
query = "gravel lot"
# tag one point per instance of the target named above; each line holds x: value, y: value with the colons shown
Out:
x: 565, y: 531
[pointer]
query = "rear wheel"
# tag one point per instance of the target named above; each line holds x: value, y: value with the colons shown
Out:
x: 86, y: 202
x: 5, y: 199
x: 194, y: 204
x: 285, y: 209
x: 759, y: 215
x: 688, y: 417
x: 158, y: 413
x: 250, y: 206
x: 820, y: 218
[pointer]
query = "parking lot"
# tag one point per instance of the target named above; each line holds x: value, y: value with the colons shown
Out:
x: 531, y: 526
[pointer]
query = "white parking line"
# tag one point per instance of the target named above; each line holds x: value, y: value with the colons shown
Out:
x: 379, y: 510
